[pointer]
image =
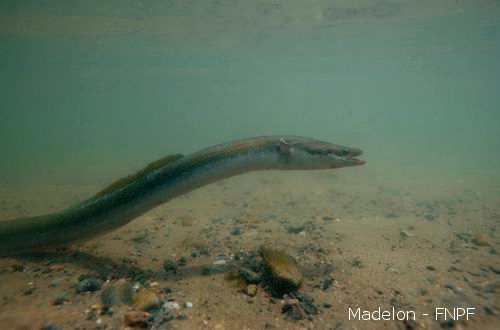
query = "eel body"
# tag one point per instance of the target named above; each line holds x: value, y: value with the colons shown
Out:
x: 163, y: 180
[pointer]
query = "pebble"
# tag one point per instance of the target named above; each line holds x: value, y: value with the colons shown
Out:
x: 236, y: 231
x: 239, y: 255
x: 481, y: 239
x: 136, y: 319
x: 492, y: 287
x: 219, y: 262
x: 307, y: 303
x: 356, y: 262
x: 170, y: 306
x: 429, y: 216
x: 60, y: 298
x: 292, y: 311
x: 251, y: 290
x: 49, y: 327
x: 56, y: 267
x: 296, y: 229
x: 146, y: 299
x: 170, y: 266
x: 88, y: 285
x: 495, y: 269
x: 282, y: 268
x: 189, y: 304
x: 116, y: 293
x: 55, y: 283
x: 249, y: 276
x: 327, y: 282
x: 29, y: 289
x: 404, y: 233
x: 182, y: 261
x: 309, y: 307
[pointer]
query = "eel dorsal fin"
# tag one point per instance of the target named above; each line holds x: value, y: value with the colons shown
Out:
x: 122, y: 182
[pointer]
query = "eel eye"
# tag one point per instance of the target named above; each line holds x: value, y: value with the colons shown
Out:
x: 344, y: 153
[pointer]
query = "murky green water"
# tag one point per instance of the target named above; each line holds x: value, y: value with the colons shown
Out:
x: 114, y: 86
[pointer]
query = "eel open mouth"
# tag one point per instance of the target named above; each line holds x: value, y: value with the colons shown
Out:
x: 354, y: 154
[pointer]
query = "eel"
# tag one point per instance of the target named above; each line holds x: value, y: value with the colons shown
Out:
x: 163, y: 180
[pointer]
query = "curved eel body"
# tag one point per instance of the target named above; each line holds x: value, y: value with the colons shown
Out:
x: 164, y: 180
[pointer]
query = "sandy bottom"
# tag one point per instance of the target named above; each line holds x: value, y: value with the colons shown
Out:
x: 385, y: 243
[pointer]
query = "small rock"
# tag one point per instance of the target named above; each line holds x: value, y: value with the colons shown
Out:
x: 116, y: 293
x: 29, y: 290
x: 404, y: 234
x: 236, y: 231
x: 49, y: 327
x: 195, y: 254
x: 495, y: 269
x: 326, y: 304
x: 99, y: 323
x: 88, y: 285
x: 306, y: 303
x: 219, y: 262
x: 182, y: 261
x: 431, y: 268
x: 296, y: 229
x: 170, y: 306
x: 251, y: 290
x: 292, y: 311
x: 188, y: 304
x: 249, y: 276
x: 429, y: 216
x: 492, y: 287
x: 147, y: 300
x: 282, y: 268
x: 309, y: 307
x: 239, y: 255
x: 481, y: 239
x: 356, y: 262
x: 136, y: 319
x: 54, y: 283
x: 327, y: 282
x: 60, y: 298
x: 170, y: 266
x: 56, y: 267
x: 477, y: 273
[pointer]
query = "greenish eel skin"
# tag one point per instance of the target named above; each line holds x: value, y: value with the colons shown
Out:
x: 164, y: 180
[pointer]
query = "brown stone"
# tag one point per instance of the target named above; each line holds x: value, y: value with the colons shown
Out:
x: 146, y: 299
x: 481, y: 239
x: 281, y: 267
x: 136, y: 318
